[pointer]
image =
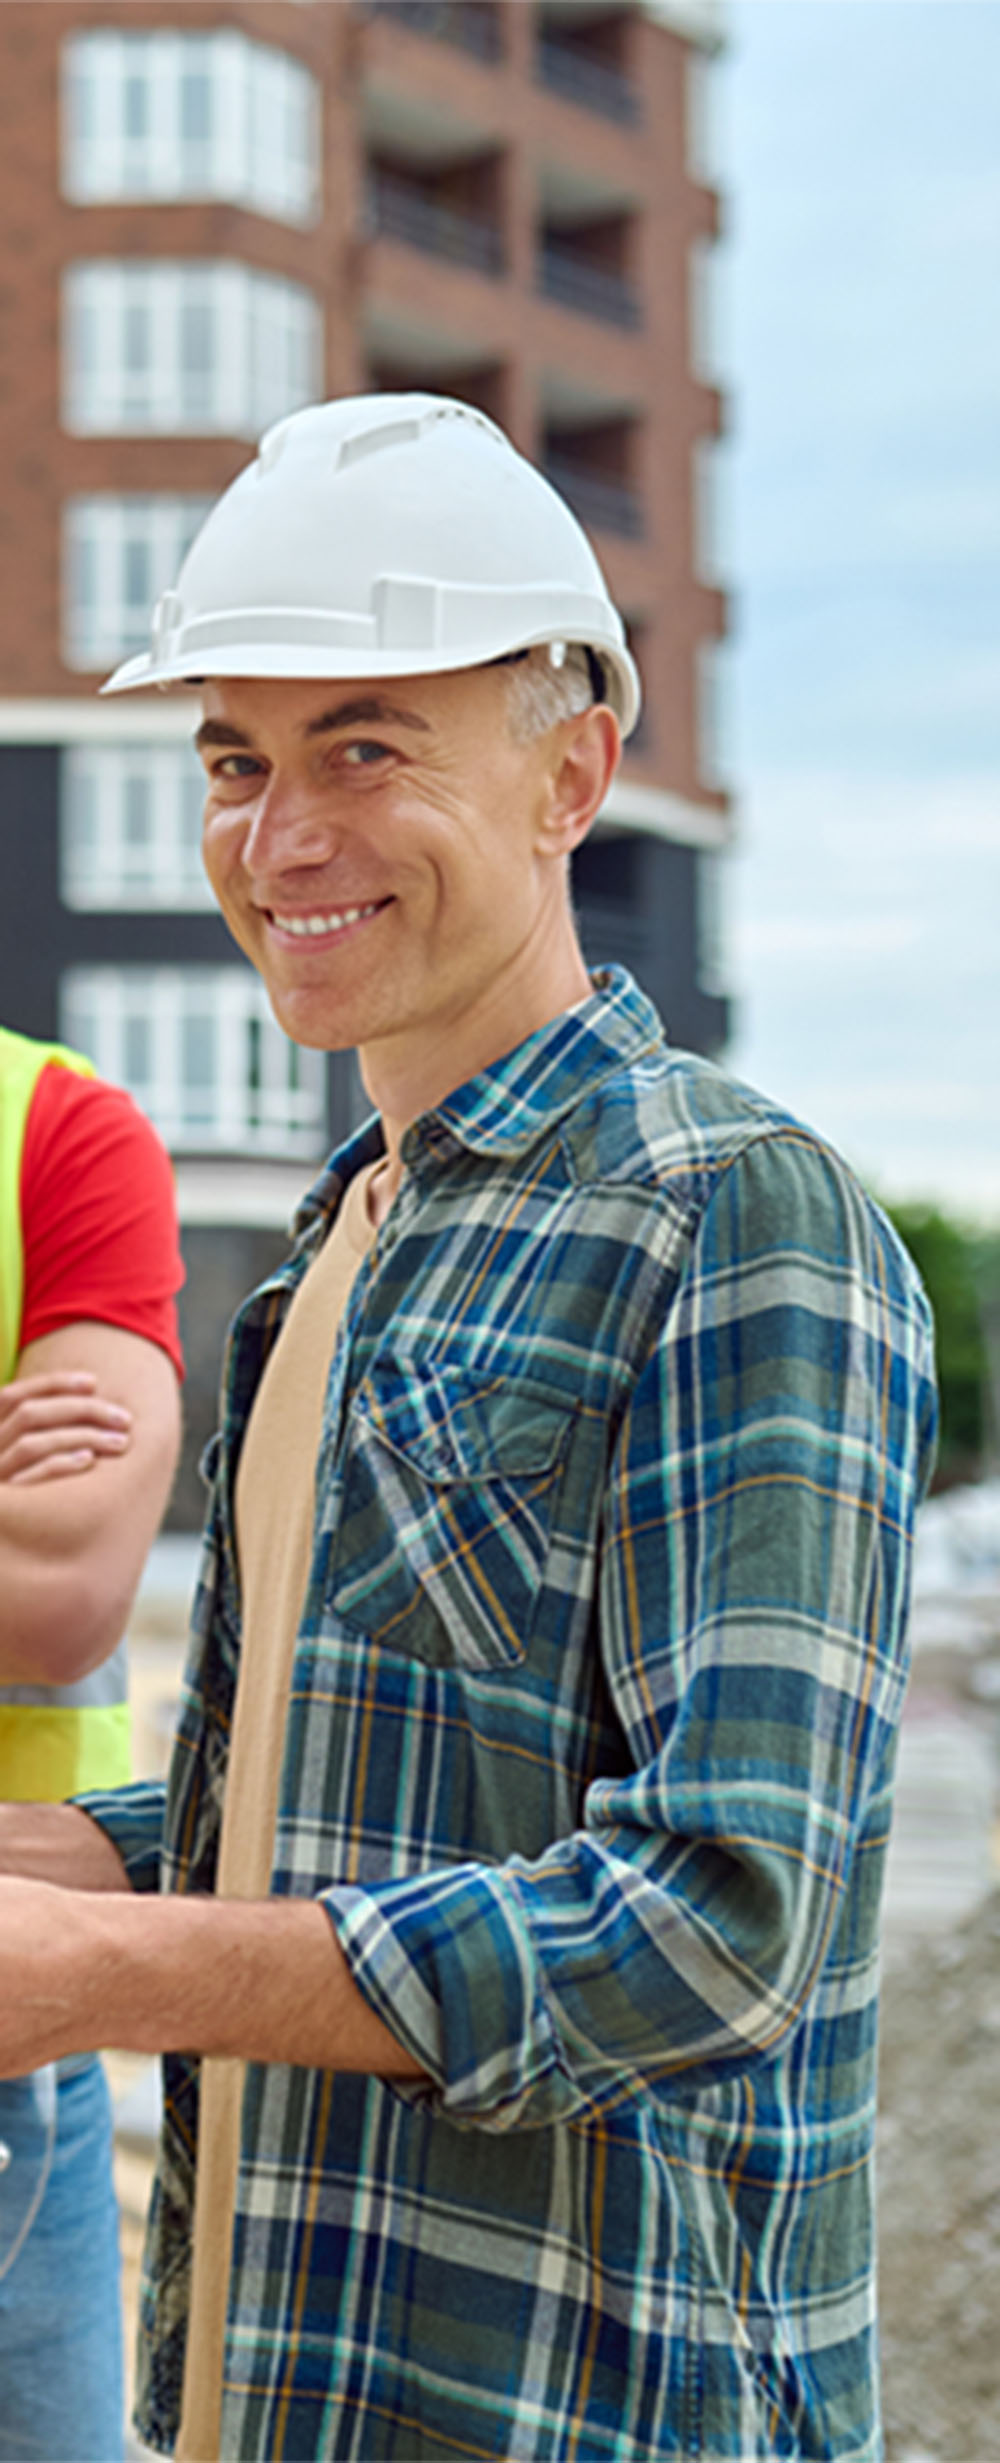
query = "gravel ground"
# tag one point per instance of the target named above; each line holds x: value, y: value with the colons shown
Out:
x: 939, y: 2195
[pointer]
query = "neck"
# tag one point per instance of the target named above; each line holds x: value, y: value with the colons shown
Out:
x: 403, y: 1085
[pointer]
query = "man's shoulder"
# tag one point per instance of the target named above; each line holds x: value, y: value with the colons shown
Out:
x: 672, y: 1120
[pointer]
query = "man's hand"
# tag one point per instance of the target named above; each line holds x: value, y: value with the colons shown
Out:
x: 39, y: 2018
x: 56, y: 1424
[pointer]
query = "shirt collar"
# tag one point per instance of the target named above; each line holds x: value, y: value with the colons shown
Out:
x: 512, y: 1102
x: 365, y: 1145
x: 507, y: 1106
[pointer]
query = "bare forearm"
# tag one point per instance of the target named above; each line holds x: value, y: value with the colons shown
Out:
x: 265, y: 1981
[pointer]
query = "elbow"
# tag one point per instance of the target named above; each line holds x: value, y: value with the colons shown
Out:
x: 67, y: 1628
x: 763, y: 1942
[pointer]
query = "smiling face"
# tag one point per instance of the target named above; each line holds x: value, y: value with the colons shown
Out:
x: 394, y: 863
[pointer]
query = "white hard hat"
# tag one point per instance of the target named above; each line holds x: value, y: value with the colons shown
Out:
x: 383, y: 535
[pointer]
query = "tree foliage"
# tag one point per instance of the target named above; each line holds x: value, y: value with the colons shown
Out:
x: 961, y: 1274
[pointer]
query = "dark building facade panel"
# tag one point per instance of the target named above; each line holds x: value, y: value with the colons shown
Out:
x: 30, y: 910
x: 636, y: 903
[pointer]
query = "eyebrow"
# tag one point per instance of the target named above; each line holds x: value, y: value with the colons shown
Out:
x: 363, y: 713
x: 367, y: 710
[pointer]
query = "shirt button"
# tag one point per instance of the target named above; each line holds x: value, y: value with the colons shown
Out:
x: 4, y: 2155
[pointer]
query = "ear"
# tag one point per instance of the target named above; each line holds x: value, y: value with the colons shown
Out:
x: 586, y: 753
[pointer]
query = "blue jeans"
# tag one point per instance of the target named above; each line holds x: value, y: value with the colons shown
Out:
x: 61, y: 2391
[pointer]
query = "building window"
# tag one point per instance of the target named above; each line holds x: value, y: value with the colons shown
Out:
x: 165, y: 115
x: 130, y: 829
x: 712, y: 924
x: 713, y: 675
x: 592, y: 463
x: 582, y: 55
x: 707, y: 148
x: 431, y: 213
x: 708, y: 311
x: 710, y: 496
x: 199, y: 1050
x: 119, y: 553
x: 474, y: 25
x: 153, y: 347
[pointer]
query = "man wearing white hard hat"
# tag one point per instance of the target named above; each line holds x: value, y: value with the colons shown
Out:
x: 509, y: 1921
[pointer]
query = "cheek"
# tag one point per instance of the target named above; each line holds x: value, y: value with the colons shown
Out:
x: 221, y: 834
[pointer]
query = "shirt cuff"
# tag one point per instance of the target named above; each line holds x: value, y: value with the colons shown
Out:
x: 132, y: 1818
x: 447, y: 1962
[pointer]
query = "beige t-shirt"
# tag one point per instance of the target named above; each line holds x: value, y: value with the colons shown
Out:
x: 274, y: 1528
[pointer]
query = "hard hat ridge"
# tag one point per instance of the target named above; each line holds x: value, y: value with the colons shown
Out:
x: 383, y: 534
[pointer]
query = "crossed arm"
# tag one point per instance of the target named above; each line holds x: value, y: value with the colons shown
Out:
x: 89, y: 1432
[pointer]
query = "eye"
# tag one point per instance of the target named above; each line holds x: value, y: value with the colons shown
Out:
x: 235, y: 765
x: 366, y: 753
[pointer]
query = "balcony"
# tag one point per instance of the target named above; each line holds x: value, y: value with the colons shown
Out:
x: 601, y: 504
x: 398, y: 208
x: 589, y: 289
x: 472, y: 25
x: 566, y: 69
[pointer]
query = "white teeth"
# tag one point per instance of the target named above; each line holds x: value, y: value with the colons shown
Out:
x: 304, y: 925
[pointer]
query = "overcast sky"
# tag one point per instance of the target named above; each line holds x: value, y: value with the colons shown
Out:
x: 862, y: 160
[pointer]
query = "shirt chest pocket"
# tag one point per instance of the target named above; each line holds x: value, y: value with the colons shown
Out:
x: 449, y: 1488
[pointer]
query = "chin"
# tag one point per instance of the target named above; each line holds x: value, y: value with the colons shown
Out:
x: 317, y: 1030
x: 314, y: 1038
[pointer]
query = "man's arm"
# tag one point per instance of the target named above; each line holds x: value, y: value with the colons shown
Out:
x: 80, y: 1968
x: 52, y: 1426
x: 72, y: 1549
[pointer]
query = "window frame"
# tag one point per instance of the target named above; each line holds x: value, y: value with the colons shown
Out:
x: 284, y: 1117
x: 263, y: 150
x: 711, y: 509
x: 248, y: 388
x: 100, y: 871
x: 715, y: 713
x: 101, y: 530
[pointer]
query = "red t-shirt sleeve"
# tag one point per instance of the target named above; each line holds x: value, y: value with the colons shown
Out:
x: 98, y: 1214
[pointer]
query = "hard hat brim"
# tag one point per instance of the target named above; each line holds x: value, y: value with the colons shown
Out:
x: 268, y: 662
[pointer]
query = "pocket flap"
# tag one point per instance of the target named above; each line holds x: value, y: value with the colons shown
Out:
x: 455, y: 1424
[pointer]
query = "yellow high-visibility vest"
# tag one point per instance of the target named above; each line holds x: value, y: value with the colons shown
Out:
x: 54, y: 1741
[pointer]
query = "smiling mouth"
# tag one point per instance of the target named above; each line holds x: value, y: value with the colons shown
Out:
x: 311, y: 927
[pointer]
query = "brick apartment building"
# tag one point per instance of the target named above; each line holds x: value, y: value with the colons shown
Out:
x: 211, y: 213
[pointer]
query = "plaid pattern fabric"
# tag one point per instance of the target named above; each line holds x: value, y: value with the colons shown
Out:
x: 589, y: 1750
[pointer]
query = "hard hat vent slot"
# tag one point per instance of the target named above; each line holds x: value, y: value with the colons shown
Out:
x: 376, y: 440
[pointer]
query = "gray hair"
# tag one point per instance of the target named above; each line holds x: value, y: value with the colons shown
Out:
x: 542, y: 690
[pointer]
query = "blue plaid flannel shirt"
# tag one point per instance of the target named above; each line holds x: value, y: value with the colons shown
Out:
x: 589, y: 1752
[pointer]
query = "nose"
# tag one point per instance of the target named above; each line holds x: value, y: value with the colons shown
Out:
x: 292, y: 825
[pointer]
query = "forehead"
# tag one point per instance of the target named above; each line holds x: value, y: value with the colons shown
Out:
x: 306, y: 709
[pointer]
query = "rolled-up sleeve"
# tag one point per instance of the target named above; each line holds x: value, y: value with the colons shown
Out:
x: 753, y: 1593
x: 132, y: 1818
